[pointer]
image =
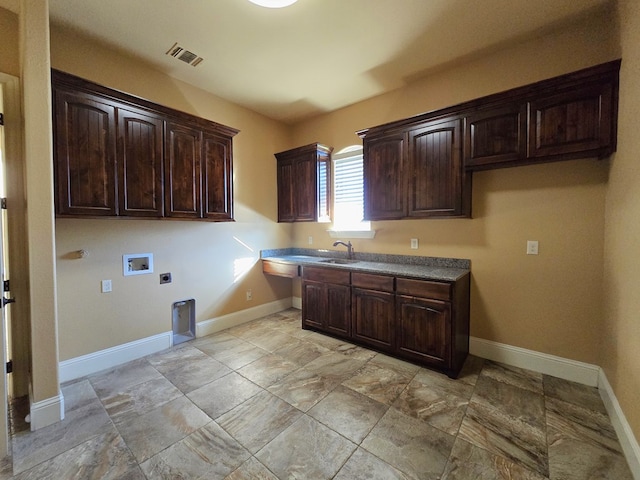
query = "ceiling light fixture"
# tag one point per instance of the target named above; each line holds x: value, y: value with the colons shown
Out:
x: 274, y: 3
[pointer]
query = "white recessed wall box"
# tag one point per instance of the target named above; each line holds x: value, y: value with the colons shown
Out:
x: 137, y: 264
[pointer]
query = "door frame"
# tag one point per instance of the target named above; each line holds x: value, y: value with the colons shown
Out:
x: 18, y: 384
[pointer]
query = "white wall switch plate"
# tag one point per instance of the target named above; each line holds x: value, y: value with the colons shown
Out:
x: 310, y: 240
x: 105, y: 286
x: 414, y: 243
x: 249, y: 295
x: 532, y: 247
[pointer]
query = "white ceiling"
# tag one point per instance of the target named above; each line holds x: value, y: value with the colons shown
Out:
x: 317, y: 55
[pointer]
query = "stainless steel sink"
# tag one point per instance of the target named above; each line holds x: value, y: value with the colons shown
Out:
x: 338, y: 261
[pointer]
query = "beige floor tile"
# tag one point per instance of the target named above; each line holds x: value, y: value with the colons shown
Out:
x: 258, y: 420
x: 209, y: 452
x: 415, y: 448
x: 124, y: 376
x: 507, y: 436
x: 571, y: 392
x: 494, y: 422
x: 439, y: 407
x: 379, y: 383
x: 364, y: 466
x: 307, y: 449
x: 301, y: 352
x: 267, y: 370
x: 78, y: 426
x: 139, y: 399
x: 188, y: 368
x: 303, y: 389
x: 103, y: 457
x: 470, y: 462
x: 349, y: 413
x: 160, y: 428
x: 223, y: 394
x: 252, y: 469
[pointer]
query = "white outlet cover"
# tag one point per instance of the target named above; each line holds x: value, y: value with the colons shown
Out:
x: 414, y: 243
x: 105, y: 286
x: 532, y: 247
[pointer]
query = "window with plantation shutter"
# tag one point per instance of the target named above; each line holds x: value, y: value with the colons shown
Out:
x: 348, y: 198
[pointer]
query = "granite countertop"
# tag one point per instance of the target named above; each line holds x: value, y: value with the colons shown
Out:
x: 424, y: 268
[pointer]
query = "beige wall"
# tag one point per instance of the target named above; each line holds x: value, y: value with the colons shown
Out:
x: 621, y: 332
x: 552, y: 302
x: 9, y: 51
x: 206, y: 259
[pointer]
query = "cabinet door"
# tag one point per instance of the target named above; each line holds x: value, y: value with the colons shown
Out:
x: 575, y: 122
x: 305, y: 202
x: 217, y: 177
x: 373, y: 317
x: 495, y: 137
x: 424, y: 330
x: 85, y: 141
x: 285, y: 191
x: 313, y: 305
x: 437, y: 183
x: 182, y: 167
x: 338, y: 311
x: 140, y: 175
x: 384, y: 181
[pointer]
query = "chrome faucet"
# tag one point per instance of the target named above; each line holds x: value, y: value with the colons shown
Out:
x: 349, y: 248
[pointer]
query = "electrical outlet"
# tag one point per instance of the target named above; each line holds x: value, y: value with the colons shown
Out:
x: 105, y: 286
x: 532, y: 247
x: 310, y: 240
x: 249, y: 295
x: 414, y: 243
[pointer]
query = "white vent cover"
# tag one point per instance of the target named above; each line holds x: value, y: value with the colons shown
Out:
x: 185, y: 55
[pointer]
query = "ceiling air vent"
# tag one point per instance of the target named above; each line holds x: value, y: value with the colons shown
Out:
x: 185, y: 55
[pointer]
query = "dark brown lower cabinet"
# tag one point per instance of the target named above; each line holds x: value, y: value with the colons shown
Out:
x: 372, y: 318
x: 373, y: 310
x: 326, y: 300
x: 423, y: 321
x: 424, y: 330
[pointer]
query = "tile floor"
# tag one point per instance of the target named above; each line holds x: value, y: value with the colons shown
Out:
x: 268, y: 400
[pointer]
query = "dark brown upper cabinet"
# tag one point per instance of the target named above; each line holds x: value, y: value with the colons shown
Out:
x: 140, y: 168
x: 85, y: 152
x: 415, y: 171
x: 496, y: 136
x: 578, y: 121
x: 304, y: 183
x: 437, y: 183
x: 420, y: 167
x: 384, y: 177
x: 183, y: 172
x: 118, y: 155
x: 567, y: 117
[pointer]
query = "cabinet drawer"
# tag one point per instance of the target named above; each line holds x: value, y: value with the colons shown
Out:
x: 424, y: 289
x: 380, y: 283
x: 280, y: 269
x: 327, y: 275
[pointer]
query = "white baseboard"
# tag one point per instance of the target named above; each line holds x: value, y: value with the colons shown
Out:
x: 213, y: 325
x: 584, y: 373
x: 626, y: 437
x: 114, y: 356
x: 46, y: 412
x: 296, y: 302
x: 111, y: 357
